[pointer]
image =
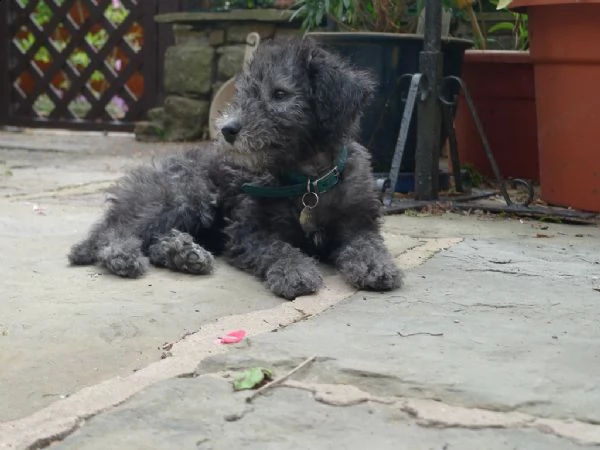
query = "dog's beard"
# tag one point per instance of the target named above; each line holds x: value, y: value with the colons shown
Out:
x: 253, y: 148
x: 256, y: 161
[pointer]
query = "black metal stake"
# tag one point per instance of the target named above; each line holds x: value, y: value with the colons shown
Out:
x: 429, y: 117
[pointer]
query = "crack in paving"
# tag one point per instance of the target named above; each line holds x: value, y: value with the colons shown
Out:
x: 435, y: 414
x: 431, y: 413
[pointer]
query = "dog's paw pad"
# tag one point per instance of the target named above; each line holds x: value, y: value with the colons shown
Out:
x: 194, y: 259
x: 127, y: 266
x: 375, y: 275
x: 383, y: 278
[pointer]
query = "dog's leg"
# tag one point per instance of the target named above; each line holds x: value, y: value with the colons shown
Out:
x: 116, y: 250
x: 122, y: 255
x: 84, y: 253
x: 178, y: 251
x: 291, y: 273
x: 365, y: 262
x: 286, y: 271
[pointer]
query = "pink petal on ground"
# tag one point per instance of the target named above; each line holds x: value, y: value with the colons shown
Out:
x: 232, y: 337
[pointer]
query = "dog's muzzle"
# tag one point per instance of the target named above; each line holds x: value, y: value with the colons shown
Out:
x: 231, y: 129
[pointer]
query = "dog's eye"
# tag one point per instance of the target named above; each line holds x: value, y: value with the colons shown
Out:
x: 279, y: 94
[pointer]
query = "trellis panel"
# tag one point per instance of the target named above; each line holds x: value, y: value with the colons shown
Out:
x: 78, y: 64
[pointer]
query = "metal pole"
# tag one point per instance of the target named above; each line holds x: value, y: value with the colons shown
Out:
x: 429, y: 117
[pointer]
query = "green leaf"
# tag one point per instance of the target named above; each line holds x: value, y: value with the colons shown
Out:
x: 97, y: 76
x: 319, y: 18
x: 339, y: 10
x: 503, y: 4
x: 507, y: 26
x: 297, y: 13
x: 251, y: 378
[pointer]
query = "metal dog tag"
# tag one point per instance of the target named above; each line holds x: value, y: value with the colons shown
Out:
x: 309, y: 200
x: 305, y: 218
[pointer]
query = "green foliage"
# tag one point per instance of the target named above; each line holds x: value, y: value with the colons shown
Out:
x: 116, y: 15
x: 80, y: 59
x: 383, y: 16
x: 475, y: 177
x: 399, y: 16
x: 519, y: 26
x: 252, y: 378
x: 42, y: 55
x: 395, y: 16
x: 97, y: 39
x: 43, y: 105
x: 97, y: 76
x: 42, y: 13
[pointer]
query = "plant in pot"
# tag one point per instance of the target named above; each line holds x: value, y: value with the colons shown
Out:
x: 501, y: 83
x: 564, y: 40
x: 380, y: 36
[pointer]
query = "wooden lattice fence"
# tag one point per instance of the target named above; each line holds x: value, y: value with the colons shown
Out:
x: 88, y: 64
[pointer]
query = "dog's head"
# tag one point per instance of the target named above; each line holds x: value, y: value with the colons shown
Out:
x: 294, y: 99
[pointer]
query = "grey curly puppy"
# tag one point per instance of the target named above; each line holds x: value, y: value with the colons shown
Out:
x: 284, y: 185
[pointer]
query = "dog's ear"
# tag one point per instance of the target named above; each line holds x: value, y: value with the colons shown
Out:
x: 339, y: 91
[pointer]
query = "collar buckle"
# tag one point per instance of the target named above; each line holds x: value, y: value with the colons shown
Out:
x: 326, y: 179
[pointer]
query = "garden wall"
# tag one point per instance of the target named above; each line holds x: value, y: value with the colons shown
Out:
x: 209, y: 49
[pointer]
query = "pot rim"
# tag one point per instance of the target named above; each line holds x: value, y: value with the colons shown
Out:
x: 499, y: 56
x: 523, y: 5
x: 379, y: 36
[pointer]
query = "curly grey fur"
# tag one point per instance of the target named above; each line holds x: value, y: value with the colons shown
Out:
x: 295, y: 107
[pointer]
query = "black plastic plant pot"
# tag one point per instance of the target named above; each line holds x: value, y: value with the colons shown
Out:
x: 389, y: 56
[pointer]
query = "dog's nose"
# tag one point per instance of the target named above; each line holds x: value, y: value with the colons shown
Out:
x: 231, y: 130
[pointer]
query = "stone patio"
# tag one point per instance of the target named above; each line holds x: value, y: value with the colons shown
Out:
x: 493, y: 343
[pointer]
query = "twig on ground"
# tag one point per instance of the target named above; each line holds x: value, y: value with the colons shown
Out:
x: 416, y: 334
x: 508, y: 272
x: 279, y: 380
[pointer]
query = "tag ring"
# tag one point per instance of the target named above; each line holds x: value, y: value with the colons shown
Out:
x: 310, y: 200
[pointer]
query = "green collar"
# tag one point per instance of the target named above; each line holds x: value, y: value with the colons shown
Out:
x: 303, y: 184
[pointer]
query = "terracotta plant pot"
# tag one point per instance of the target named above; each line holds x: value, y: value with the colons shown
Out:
x: 565, y: 47
x: 501, y: 84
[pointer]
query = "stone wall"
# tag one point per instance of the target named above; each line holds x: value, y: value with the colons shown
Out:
x: 209, y: 50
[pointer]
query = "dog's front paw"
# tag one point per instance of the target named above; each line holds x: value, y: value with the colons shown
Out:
x: 82, y: 254
x: 178, y: 251
x: 192, y: 258
x: 383, y: 277
x: 376, y: 275
x: 291, y: 279
x: 125, y: 265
